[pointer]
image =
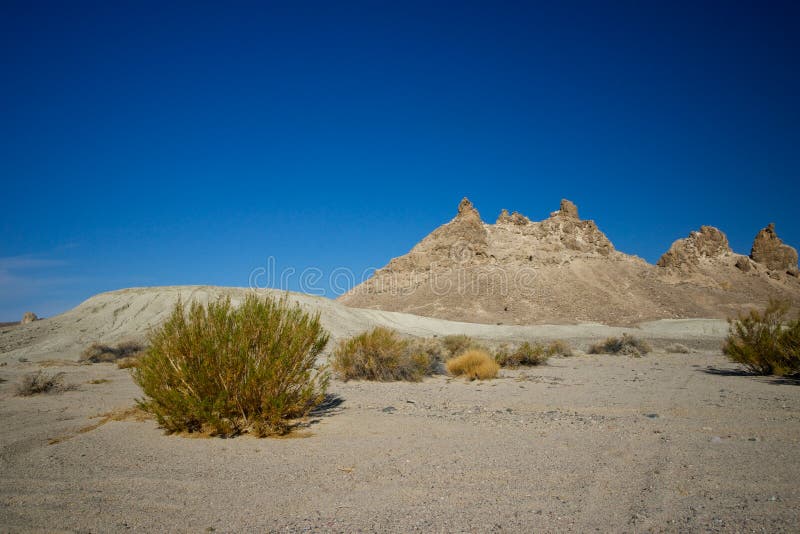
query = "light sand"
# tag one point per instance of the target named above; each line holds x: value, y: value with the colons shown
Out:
x: 666, y: 442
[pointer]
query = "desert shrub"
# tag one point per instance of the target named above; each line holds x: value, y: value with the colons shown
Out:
x: 677, y: 348
x: 41, y: 382
x: 226, y: 371
x: 766, y: 343
x: 525, y: 354
x: 627, y: 344
x: 98, y: 352
x: 473, y: 364
x: 559, y: 347
x: 531, y: 353
x: 456, y: 344
x: 433, y: 348
x: 380, y: 354
x: 129, y: 362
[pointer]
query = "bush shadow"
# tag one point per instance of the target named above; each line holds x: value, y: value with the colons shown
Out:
x: 777, y: 380
x: 331, y: 405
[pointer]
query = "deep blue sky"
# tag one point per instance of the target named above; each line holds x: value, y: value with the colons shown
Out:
x: 146, y: 145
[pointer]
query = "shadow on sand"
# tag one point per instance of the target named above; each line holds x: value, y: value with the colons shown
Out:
x: 778, y: 380
x: 328, y: 407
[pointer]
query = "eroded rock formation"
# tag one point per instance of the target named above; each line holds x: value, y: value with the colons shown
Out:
x: 565, y: 269
x: 770, y: 251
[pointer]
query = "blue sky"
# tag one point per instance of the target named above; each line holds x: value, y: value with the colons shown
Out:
x: 144, y: 144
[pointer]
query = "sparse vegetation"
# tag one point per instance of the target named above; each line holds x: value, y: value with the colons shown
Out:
x: 98, y: 352
x: 473, y: 364
x: 41, y: 382
x: 226, y: 371
x: 627, y: 344
x: 525, y: 354
x: 532, y: 353
x: 129, y: 362
x: 677, y: 348
x: 559, y: 347
x: 766, y: 343
x: 381, y: 354
x: 456, y: 344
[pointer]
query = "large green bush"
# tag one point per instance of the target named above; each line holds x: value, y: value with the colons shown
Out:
x: 766, y: 343
x: 226, y: 371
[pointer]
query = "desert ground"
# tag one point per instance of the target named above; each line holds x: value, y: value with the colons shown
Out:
x: 667, y: 442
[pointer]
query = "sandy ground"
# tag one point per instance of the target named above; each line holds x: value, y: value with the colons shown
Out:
x: 668, y: 442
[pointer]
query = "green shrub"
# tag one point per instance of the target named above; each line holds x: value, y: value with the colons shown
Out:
x: 226, y: 371
x: 766, y: 343
x: 473, y: 364
x: 380, y: 354
x: 627, y: 344
x: 98, y: 352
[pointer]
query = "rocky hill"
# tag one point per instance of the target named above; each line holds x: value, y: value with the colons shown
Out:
x: 565, y: 270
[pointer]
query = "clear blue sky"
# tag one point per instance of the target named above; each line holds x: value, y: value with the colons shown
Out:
x: 147, y: 145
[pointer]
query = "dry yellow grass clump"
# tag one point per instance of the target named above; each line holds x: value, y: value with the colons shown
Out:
x: 473, y: 364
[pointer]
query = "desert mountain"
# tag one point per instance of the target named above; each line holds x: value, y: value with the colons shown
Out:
x: 565, y: 270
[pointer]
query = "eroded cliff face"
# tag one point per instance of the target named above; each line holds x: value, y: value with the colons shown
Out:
x: 564, y: 269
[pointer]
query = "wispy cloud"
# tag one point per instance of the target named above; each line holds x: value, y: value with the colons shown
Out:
x: 28, y: 281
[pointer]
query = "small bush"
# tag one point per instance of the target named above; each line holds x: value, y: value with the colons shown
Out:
x: 677, y: 348
x: 473, y: 364
x: 457, y: 344
x: 98, y: 352
x: 434, y: 348
x: 559, y: 347
x: 40, y: 382
x: 532, y: 354
x: 128, y: 362
x: 627, y: 344
x: 765, y: 342
x: 525, y: 354
x: 380, y: 354
x: 227, y: 371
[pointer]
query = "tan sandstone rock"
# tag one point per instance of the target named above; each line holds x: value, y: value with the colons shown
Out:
x: 29, y: 317
x: 769, y: 250
x: 707, y: 243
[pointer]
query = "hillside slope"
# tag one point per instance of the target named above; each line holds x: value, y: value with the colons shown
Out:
x: 129, y: 314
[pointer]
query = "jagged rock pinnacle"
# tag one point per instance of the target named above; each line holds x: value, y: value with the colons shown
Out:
x: 708, y: 242
x: 769, y: 250
x: 514, y: 218
x: 567, y: 210
x: 467, y: 211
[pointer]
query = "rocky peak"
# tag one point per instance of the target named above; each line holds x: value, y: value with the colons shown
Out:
x: 708, y: 242
x: 467, y: 210
x: 567, y: 210
x: 515, y: 218
x: 769, y: 250
x: 29, y: 317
